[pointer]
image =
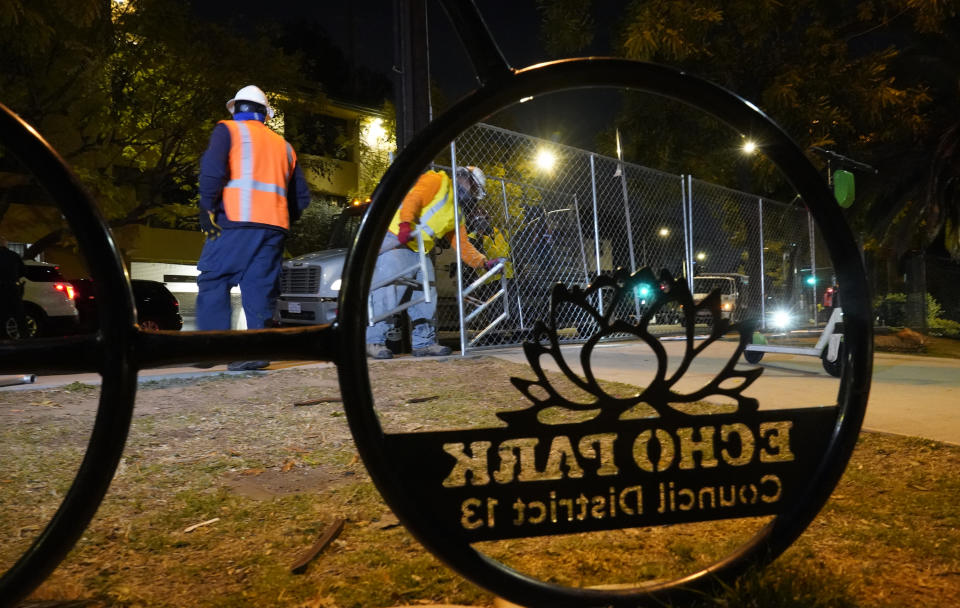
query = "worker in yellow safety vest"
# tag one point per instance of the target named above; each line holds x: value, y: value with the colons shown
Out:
x: 428, y: 208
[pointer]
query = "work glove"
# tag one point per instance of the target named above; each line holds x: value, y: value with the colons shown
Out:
x: 211, y: 230
x: 492, y: 262
x: 403, y: 233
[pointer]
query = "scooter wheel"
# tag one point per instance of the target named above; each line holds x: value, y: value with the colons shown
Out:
x: 754, y: 356
x: 834, y: 368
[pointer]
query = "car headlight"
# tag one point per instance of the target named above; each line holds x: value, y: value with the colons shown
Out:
x: 335, y: 286
x: 781, y: 319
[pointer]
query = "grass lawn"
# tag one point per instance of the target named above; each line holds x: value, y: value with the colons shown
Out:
x: 265, y: 477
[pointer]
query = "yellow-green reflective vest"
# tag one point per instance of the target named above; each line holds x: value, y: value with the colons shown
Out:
x: 435, y: 219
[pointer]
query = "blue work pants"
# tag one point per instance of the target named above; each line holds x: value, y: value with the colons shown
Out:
x: 248, y: 257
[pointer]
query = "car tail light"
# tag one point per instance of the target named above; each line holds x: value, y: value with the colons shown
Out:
x: 66, y: 288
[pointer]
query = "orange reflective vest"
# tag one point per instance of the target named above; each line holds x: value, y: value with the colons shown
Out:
x: 429, y: 207
x: 261, y: 163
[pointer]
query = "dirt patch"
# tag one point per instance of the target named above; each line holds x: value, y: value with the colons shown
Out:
x: 261, y: 484
x: 902, y: 341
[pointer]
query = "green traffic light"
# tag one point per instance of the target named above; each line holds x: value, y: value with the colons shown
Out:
x: 811, y: 280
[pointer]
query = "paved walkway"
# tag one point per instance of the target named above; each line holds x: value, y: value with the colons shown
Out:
x: 910, y: 395
x: 146, y: 375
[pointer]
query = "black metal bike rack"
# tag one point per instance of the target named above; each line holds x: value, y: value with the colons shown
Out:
x: 119, y: 349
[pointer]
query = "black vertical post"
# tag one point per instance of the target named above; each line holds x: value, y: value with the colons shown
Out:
x: 916, y: 284
x: 412, y: 68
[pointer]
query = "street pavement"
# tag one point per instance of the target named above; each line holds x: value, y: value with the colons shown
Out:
x: 910, y: 395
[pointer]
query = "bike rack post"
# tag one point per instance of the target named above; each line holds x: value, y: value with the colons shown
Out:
x: 120, y: 349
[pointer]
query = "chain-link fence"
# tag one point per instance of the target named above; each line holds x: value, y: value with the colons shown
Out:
x: 561, y: 214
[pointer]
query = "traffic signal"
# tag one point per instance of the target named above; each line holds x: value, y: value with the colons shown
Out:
x: 644, y: 292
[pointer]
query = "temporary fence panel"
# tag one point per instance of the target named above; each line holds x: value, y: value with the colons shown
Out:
x: 587, y: 214
x: 725, y: 246
x: 786, y: 253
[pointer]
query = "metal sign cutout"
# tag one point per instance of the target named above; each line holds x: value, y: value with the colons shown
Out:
x: 610, y: 472
x: 453, y: 489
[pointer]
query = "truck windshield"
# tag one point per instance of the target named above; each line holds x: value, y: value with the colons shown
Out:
x: 346, y: 226
x: 706, y: 285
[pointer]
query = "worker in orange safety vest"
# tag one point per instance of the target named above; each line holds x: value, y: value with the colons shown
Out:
x: 251, y: 190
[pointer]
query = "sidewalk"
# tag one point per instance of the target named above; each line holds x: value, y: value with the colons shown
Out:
x: 910, y: 395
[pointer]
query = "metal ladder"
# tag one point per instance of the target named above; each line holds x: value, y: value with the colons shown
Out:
x: 481, y: 306
x: 405, y: 278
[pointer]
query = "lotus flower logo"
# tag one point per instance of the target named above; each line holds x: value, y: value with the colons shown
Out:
x: 661, y: 393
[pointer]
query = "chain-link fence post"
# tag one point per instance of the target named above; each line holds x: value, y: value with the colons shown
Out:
x: 458, y: 248
x: 596, y: 221
x: 763, y: 270
x: 811, y: 231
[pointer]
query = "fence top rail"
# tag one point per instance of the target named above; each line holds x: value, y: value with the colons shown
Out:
x: 741, y: 192
x: 576, y: 150
x: 514, y: 182
x: 626, y: 165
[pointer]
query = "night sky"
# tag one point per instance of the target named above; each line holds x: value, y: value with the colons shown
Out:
x: 364, y: 31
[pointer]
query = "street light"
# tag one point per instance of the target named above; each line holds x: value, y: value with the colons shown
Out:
x: 701, y: 256
x: 664, y: 232
x: 374, y: 134
x: 546, y: 160
x: 749, y: 146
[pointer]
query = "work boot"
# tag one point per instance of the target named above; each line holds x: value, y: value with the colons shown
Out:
x: 379, y: 351
x: 434, y: 350
x: 242, y: 366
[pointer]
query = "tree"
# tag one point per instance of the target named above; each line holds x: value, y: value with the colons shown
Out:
x: 128, y: 94
x: 313, y: 230
x: 846, y: 75
x: 924, y: 209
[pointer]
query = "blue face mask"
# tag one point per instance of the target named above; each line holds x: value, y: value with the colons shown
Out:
x: 249, y: 116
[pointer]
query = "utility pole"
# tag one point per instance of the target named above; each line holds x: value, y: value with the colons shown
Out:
x: 412, y: 69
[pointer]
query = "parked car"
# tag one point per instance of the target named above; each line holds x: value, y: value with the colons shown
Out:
x: 48, y: 302
x: 157, y: 308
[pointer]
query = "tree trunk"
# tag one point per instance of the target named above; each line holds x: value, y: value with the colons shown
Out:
x: 42, y: 243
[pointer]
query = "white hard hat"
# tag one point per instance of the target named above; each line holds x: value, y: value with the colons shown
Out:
x: 478, y: 178
x: 250, y: 93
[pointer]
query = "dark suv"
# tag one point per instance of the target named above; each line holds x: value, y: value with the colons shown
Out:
x: 157, y: 308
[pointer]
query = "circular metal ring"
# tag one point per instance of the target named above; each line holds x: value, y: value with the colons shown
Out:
x: 744, y: 118
x: 112, y: 349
